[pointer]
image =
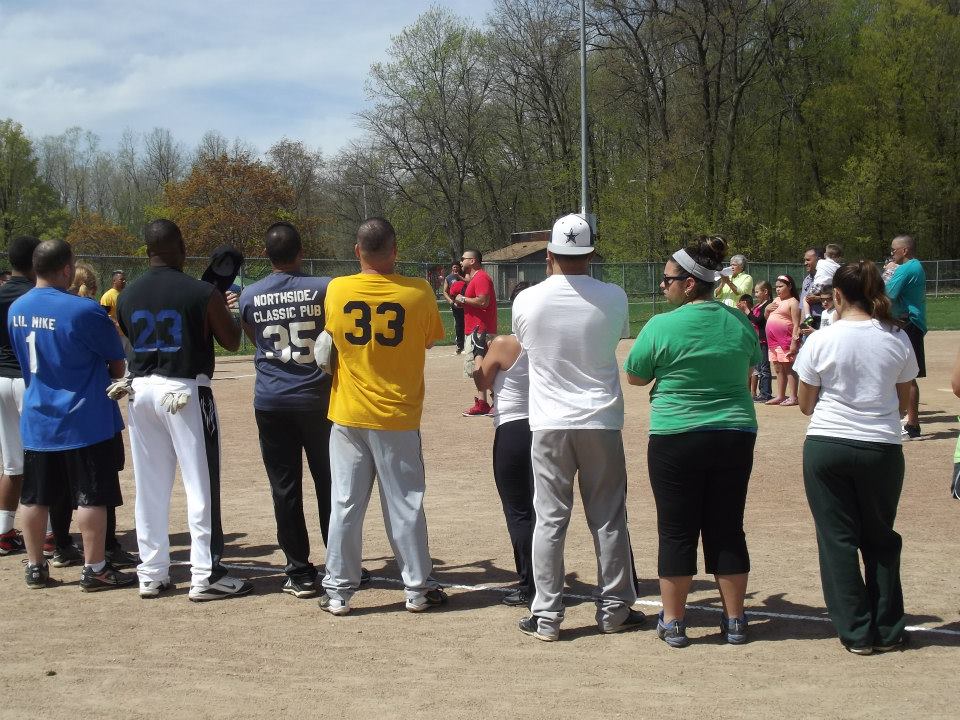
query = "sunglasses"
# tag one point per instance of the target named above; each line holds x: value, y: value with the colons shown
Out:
x: 667, y: 279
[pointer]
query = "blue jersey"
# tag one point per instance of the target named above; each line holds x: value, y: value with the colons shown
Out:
x: 63, y: 343
x: 285, y: 312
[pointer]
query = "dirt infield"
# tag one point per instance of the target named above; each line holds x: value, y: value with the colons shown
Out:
x: 111, y: 655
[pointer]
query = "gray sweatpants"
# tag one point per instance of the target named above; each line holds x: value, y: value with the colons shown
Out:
x: 598, y: 456
x: 395, y: 458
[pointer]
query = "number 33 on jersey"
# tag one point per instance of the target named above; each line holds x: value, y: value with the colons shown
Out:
x: 381, y: 327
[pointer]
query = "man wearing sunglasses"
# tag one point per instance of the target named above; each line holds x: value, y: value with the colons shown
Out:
x: 479, y: 303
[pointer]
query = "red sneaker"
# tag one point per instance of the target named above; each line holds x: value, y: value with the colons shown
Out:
x: 11, y: 542
x: 480, y: 407
x: 49, y: 545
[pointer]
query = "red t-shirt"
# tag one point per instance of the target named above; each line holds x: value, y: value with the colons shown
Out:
x: 476, y: 317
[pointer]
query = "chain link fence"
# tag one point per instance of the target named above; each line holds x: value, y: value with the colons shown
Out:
x: 641, y: 281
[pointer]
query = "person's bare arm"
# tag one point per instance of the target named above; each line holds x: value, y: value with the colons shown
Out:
x: 446, y: 291
x: 639, y: 381
x: 807, y: 397
x: 117, y: 368
x: 479, y: 301
x: 955, y: 378
x: 501, y: 353
x: 248, y: 331
x: 795, y: 340
x: 221, y: 323
x: 903, y: 396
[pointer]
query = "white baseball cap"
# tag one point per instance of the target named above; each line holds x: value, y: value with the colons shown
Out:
x: 571, y: 236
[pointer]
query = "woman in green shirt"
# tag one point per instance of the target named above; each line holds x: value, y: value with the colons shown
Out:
x: 702, y: 434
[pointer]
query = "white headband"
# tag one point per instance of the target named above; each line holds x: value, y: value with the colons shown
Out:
x: 683, y: 259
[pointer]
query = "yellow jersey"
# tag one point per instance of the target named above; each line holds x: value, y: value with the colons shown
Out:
x: 109, y: 302
x: 381, y: 327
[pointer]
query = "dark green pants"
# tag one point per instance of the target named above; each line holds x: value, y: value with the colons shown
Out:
x: 853, y: 489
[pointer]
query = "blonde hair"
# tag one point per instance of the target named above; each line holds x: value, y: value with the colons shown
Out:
x: 84, y: 281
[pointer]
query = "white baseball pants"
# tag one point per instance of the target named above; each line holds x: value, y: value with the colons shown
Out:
x: 11, y: 407
x: 159, y: 441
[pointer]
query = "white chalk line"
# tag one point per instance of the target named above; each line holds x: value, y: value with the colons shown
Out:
x: 589, y: 598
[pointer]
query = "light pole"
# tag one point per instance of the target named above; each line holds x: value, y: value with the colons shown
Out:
x: 584, y: 179
x: 363, y: 188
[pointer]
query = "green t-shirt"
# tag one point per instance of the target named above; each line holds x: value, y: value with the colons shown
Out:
x: 699, y: 355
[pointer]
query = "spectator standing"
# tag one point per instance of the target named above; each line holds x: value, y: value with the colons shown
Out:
x: 702, y: 434
x: 118, y: 281
x: 569, y: 325
x: 282, y: 314
x: 907, y: 290
x: 69, y: 349
x: 783, y: 338
x: 731, y: 289
x: 762, y: 391
x: 20, y: 254
x: 381, y: 325
x: 811, y: 257
x: 853, y: 460
x: 453, y: 285
x: 479, y: 302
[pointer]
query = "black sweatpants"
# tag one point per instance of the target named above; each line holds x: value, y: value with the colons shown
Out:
x: 853, y: 489
x: 513, y: 474
x: 284, y: 436
x: 458, y: 325
x: 699, y: 482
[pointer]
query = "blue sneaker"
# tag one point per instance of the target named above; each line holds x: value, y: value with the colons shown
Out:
x: 734, y: 630
x: 673, y: 633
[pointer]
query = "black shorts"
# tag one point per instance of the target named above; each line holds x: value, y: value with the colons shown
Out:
x: 916, y: 339
x: 87, y: 476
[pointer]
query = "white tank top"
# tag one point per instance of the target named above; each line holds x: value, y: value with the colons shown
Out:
x: 510, y: 391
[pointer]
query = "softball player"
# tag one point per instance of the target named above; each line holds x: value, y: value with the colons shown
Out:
x: 381, y: 325
x: 171, y: 320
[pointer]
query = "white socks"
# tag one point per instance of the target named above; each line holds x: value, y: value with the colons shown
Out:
x: 6, y: 520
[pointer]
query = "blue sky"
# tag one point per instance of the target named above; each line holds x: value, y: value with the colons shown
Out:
x: 255, y: 70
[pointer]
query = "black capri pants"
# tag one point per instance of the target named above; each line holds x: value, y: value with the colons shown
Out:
x: 699, y: 482
x: 513, y: 474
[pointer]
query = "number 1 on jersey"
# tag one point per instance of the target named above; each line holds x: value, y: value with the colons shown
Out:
x: 32, y: 347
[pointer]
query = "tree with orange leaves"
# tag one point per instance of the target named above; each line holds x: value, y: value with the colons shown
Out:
x: 92, y: 234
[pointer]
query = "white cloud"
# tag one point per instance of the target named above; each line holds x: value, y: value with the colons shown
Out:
x: 254, y: 70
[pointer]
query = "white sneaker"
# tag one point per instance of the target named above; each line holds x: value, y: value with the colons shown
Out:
x: 332, y: 605
x: 223, y: 588
x: 153, y: 588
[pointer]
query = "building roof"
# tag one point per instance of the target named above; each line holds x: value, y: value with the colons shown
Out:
x: 515, y: 251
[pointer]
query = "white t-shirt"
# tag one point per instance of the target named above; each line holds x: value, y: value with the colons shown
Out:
x: 857, y: 365
x: 569, y: 326
x: 511, y: 388
x: 826, y: 269
x: 828, y: 318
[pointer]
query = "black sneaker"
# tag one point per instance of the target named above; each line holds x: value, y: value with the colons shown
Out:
x: 120, y: 558
x: 635, y: 619
x: 429, y: 599
x: 109, y: 577
x: 300, y: 587
x: 899, y: 644
x: 67, y: 556
x: 364, y: 577
x: 37, y: 576
x: 531, y: 626
x: 910, y: 432
x: 518, y: 598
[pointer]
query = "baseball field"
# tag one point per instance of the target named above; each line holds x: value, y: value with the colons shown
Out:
x: 111, y: 655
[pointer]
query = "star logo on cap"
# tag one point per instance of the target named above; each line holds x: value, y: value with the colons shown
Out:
x: 571, y: 237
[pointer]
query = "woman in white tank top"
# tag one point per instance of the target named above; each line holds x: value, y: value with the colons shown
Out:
x: 504, y: 371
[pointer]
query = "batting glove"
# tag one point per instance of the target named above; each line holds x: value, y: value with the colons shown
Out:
x: 120, y: 388
x: 173, y: 402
